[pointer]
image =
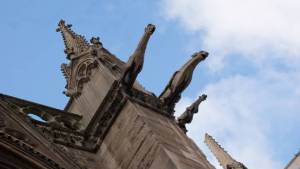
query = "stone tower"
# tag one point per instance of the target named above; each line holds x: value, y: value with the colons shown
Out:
x: 225, y: 160
x: 110, y: 121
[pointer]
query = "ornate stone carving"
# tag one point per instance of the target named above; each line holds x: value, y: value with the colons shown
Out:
x: 187, y: 116
x: 136, y: 60
x: 74, y: 43
x: 77, y: 72
x: 53, y: 117
x: 179, y: 81
x: 96, y: 42
x: 80, y: 74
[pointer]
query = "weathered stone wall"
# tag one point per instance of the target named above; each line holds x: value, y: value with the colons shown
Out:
x: 92, y: 95
x: 19, y: 137
x: 143, y: 139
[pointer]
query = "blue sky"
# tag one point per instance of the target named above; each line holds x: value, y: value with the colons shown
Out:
x: 251, y: 76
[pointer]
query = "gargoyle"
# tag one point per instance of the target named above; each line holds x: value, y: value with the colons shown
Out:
x: 96, y: 42
x: 179, y: 81
x: 188, y: 114
x: 136, y: 60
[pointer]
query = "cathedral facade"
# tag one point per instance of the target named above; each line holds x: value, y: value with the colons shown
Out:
x: 110, y: 121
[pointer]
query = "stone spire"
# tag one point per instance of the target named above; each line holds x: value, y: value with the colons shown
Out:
x: 74, y: 43
x: 225, y: 160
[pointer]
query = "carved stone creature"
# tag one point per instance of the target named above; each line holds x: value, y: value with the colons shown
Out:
x: 187, y: 116
x: 136, y: 60
x: 179, y: 81
x: 96, y: 42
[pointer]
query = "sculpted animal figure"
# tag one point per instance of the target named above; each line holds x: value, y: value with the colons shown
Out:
x: 188, y: 114
x: 136, y: 60
x: 179, y: 81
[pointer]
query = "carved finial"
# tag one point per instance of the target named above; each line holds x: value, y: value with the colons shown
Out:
x: 136, y: 60
x: 225, y: 160
x: 74, y: 43
x: 179, y: 82
x: 187, y: 116
x: 66, y: 71
x: 96, y: 42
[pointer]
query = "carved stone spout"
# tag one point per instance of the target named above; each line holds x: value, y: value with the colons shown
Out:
x: 179, y: 81
x: 136, y: 60
x: 187, y: 116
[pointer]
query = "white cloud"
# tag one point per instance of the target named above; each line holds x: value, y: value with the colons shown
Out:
x: 255, y: 29
x: 246, y: 112
x: 238, y: 112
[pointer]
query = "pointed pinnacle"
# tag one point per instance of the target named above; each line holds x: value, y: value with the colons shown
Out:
x: 74, y: 43
x: 61, y: 24
x: 221, y: 155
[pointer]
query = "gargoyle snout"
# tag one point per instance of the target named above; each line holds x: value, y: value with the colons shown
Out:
x: 204, y: 54
x: 204, y: 96
x: 150, y: 28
